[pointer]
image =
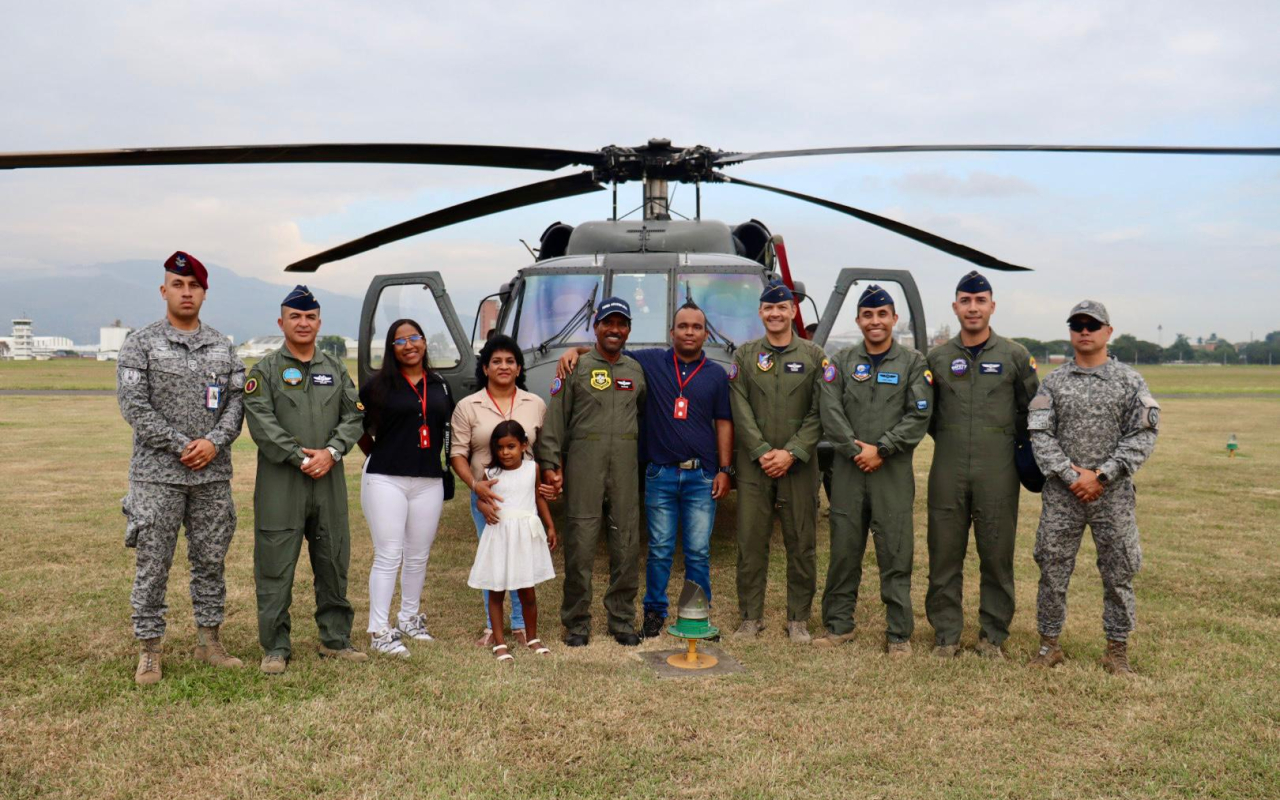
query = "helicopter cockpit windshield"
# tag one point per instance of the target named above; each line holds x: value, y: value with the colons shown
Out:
x: 550, y: 302
x: 728, y: 299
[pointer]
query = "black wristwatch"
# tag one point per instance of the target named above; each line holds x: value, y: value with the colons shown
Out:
x: 729, y: 470
x: 882, y: 450
x: 1102, y: 478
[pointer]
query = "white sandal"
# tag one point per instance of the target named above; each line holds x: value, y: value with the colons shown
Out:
x: 505, y: 656
x: 536, y: 646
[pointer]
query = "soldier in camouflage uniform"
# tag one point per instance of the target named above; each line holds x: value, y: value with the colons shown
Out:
x: 180, y: 387
x: 1093, y: 423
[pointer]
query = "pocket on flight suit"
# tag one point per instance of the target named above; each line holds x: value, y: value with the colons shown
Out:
x: 274, y: 552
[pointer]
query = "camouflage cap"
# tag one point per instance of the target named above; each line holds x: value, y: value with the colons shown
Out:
x: 1090, y: 308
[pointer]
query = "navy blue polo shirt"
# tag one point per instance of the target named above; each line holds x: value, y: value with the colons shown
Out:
x: 668, y: 440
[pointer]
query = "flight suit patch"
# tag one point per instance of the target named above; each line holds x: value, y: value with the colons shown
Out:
x: 556, y: 386
x: 928, y: 377
x: 829, y: 373
x: 625, y: 385
x: 600, y: 379
x: 733, y: 372
x: 764, y: 361
x: 251, y: 386
x: 862, y: 372
x: 321, y: 379
x: 959, y: 367
x: 292, y: 377
x: 1032, y: 363
x: 130, y: 376
x: 794, y: 367
x: 887, y: 377
x: 991, y: 368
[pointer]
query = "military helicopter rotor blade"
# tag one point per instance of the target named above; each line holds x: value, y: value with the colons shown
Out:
x: 470, y: 155
x: 726, y: 159
x: 924, y: 237
x: 541, y: 192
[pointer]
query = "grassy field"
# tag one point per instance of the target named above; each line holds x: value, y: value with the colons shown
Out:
x: 1203, y: 720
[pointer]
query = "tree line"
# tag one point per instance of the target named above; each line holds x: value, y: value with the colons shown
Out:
x: 1132, y: 350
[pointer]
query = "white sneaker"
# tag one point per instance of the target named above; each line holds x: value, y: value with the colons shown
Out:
x: 416, y: 628
x: 387, y: 641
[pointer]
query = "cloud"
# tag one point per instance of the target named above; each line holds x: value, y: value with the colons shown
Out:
x: 975, y: 184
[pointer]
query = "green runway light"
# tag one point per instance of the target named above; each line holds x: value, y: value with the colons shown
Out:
x: 1232, y: 446
x: 693, y: 623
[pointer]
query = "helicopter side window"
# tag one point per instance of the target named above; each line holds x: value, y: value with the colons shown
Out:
x: 550, y: 302
x: 415, y: 302
x: 846, y: 333
x: 646, y: 292
x: 730, y: 301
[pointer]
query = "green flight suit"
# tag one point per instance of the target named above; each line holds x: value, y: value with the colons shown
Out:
x: 888, y: 405
x: 774, y: 396
x: 291, y: 404
x: 980, y: 405
x: 592, y: 431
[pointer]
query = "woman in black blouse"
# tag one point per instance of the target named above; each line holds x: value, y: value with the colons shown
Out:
x: 407, y: 411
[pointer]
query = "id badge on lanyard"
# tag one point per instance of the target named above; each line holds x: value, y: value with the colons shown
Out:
x: 681, y: 411
x: 212, y: 393
x: 424, y: 431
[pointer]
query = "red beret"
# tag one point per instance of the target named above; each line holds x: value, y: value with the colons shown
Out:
x: 181, y: 263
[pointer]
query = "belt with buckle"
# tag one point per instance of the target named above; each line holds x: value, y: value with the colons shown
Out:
x: 693, y: 463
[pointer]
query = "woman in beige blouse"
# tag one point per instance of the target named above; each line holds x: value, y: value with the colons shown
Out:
x: 500, y: 376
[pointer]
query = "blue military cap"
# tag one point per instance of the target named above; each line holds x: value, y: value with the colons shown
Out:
x: 874, y: 297
x: 612, y: 305
x: 973, y: 283
x: 301, y: 299
x: 776, y: 292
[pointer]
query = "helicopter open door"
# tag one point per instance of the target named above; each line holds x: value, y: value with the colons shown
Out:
x: 421, y: 297
x: 838, y: 327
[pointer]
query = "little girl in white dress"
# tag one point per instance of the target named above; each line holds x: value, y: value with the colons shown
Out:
x: 515, y: 554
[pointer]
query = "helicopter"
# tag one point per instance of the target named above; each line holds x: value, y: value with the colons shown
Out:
x: 656, y: 262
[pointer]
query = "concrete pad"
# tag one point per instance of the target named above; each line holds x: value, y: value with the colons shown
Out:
x: 657, y: 661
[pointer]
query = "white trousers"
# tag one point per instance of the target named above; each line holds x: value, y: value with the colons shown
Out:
x: 403, y: 514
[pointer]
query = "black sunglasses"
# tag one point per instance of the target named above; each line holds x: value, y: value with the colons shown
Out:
x: 1081, y: 325
x: 403, y: 341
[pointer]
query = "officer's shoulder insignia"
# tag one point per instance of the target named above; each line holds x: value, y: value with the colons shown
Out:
x: 556, y: 385
x: 1032, y: 362
x: 764, y: 361
x: 922, y: 404
x: 733, y: 371
x: 826, y: 362
x: 600, y: 379
x: 928, y: 377
x: 862, y: 372
x: 130, y: 376
x: 829, y: 373
x: 1150, y: 412
x: 251, y: 386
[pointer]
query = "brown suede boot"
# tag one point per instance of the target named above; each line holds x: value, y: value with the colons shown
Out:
x: 209, y: 649
x: 1116, y: 659
x: 148, y: 671
x: 1050, y: 654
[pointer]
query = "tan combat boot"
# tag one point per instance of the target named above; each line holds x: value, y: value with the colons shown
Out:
x: 1050, y: 654
x: 749, y: 629
x: 148, y: 671
x: 898, y: 650
x: 988, y: 649
x: 209, y: 649
x: 347, y: 653
x: 273, y: 664
x: 946, y: 650
x: 829, y: 639
x: 798, y: 631
x: 1116, y: 659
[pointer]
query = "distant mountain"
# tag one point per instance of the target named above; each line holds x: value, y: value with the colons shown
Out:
x: 78, y: 303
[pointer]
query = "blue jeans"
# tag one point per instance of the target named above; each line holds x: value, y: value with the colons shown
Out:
x: 517, y: 611
x: 674, y: 496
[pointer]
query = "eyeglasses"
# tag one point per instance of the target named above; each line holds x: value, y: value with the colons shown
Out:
x: 402, y: 342
x: 1081, y: 325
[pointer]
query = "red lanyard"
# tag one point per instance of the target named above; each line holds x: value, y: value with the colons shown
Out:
x: 421, y: 397
x: 685, y: 382
x: 497, y: 408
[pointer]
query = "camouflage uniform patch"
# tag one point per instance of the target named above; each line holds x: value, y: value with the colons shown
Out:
x: 1100, y: 419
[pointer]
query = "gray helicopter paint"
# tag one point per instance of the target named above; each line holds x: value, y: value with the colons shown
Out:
x: 653, y: 236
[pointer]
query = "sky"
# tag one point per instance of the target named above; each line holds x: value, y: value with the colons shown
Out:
x: 1186, y: 244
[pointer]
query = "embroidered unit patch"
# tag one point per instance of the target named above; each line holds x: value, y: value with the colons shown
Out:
x: 887, y: 377
x: 251, y: 386
x: 292, y: 376
x: 959, y: 366
x: 922, y: 404
x: 862, y: 372
x: 928, y: 377
x: 600, y: 379
x: 764, y: 361
x: 556, y: 386
x: 829, y: 373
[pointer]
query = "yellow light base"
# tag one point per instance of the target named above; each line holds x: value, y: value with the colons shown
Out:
x: 691, y: 658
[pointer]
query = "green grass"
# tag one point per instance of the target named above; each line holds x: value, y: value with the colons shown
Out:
x: 1203, y: 720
